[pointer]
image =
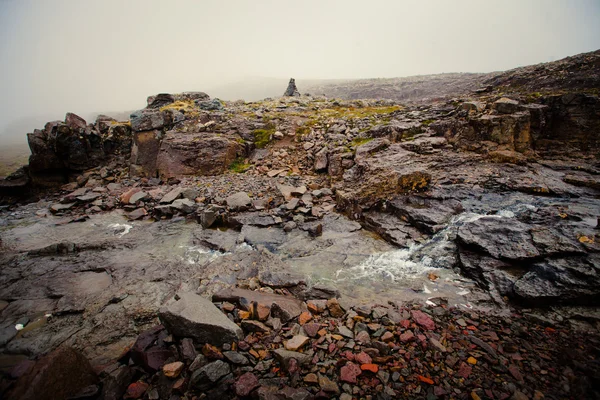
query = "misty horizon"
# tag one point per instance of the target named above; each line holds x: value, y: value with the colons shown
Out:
x: 107, y: 57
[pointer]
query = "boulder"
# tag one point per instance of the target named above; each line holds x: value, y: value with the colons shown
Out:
x: 506, y: 106
x: 195, y: 317
x: 195, y: 154
x: 160, y: 100
x: 427, y: 215
x: 573, y: 280
x: 147, y: 120
x: 210, y: 105
x: 144, y: 152
x: 184, y: 206
x: 74, y: 121
x: 58, y: 375
x: 502, y: 238
x: 238, y: 201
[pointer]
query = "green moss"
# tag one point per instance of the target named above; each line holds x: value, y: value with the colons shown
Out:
x: 185, y: 105
x: 302, y: 130
x: 239, y: 166
x: 428, y: 122
x: 262, y: 137
x: 359, y: 141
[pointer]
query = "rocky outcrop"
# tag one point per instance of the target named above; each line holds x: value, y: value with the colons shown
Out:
x: 380, y: 177
x: 195, y: 154
x: 531, y: 264
x: 72, y: 146
x: 559, y: 124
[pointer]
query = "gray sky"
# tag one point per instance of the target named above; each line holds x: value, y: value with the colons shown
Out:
x: 108, y: 55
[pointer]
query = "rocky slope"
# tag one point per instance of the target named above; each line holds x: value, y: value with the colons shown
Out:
x: 576, y: 73
x: 401, y: 243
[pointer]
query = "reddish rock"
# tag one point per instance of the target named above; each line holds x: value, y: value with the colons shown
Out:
x: 211, y: 352
x: 350, y: 372
x: 179, y: 386
x: 127, y: 195
x: 58, y: 375
x: 363, y: 358
x: 282, y: 307
x: 423, y: 319
x: 173, y: 370
x: 407, y: 336
x: 21, y: 368
x: 246, y: 384
x: 312, y: 329
x: 297, y: 342
x: 136, y: 390
x: 363, y: 337
x: 200, y: 153
x: 316, y: 306
x: 155, y: 358
x: 405, y: 323
x: 464, y: 370
x: 370, y: 367
x: 334, y: 308
x: 262, y: 311
x: 514, y: 371
x: 425, y: 379
x: 387, y: 337
x: 304, y: 317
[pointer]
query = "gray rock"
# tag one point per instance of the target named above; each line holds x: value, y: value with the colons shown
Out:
x: 195, y: 317
x: 54, y: 208
x: 173, y: 195
x: 209, y: 374
x: 236, y: 358
x: 292, y: 204
x: 502, y: 238
x: 369, y: 148
x: 147, y: 120
x: 289, y: 226
x: 89, y: 197
x: 344, y: 331
x: 210, y: 105
x: 239, y: 201
x: 185, y: 206
x: 139, y: 196
x: 285, y: 356
x: 321, y: 160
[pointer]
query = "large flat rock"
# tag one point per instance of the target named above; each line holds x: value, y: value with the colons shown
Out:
x: 196, y: 317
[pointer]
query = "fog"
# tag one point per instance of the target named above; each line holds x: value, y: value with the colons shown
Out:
x: 107, y: 56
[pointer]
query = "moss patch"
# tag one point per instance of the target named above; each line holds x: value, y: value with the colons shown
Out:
x: 239, y: 166
x: 185, y: 105
x: 359, y: 141
x: 262, y: 137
